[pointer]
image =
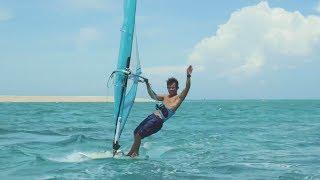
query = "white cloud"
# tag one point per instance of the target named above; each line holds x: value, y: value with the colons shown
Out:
x: 165, y: 70
x: 252, y: 65
x: 255, y: 38
x: 87, y: 35
x: 169, y: 70
x: 5, y: 15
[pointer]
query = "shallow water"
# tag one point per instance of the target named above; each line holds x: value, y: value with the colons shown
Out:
x: 272, y: 139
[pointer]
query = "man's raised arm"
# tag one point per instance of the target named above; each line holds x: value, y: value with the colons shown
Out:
x: 185, y: 91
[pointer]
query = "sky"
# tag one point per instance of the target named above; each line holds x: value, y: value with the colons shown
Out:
x: 244, y: 49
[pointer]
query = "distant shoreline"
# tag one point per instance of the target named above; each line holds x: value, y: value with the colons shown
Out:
x: 63, y: 99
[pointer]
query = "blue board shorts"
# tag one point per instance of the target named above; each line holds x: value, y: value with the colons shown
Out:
x: 149, y: 126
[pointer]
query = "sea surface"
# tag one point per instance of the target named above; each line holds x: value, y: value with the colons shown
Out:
x: 224, y: 139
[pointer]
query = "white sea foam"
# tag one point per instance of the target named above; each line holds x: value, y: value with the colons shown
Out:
x: 84, y: 156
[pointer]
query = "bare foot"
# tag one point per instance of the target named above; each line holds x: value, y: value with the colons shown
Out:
x: 134, y: 155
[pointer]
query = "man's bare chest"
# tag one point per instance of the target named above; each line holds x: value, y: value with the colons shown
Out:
x: 171, y: 102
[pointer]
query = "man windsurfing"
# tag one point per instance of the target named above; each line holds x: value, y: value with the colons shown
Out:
x: 170, y: 103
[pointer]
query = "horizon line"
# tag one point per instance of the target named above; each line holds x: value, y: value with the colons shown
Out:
x: 86, y: 98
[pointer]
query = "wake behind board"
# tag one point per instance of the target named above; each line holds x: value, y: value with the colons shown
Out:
x: 101, y: 155
x: 109, y: 154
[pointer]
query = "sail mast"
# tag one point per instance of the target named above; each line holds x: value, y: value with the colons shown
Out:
x: 124, y: 58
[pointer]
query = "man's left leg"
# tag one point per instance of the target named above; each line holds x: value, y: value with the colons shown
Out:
x: 135, y: 146
x: 149, y: 126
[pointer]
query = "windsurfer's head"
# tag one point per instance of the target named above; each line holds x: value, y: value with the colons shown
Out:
x: 172, y: 86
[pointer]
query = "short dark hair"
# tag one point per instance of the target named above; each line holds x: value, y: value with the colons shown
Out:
x: 172, y: 80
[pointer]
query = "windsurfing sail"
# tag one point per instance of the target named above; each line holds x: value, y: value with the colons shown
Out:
x: 124, y: 95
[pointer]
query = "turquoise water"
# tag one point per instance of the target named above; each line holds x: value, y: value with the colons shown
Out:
x: 204, y: 140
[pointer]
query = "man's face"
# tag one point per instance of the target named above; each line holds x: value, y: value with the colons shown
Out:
x: 172, y: 89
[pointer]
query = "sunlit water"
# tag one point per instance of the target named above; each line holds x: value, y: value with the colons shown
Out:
x: 203, y: 140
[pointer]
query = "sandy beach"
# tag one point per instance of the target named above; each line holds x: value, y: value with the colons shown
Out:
x: 63, y: 99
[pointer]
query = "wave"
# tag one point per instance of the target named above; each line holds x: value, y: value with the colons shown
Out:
x: 40, y: 158
x: 43, y: 132
x: 79, y: 138
x: 16, y: 150
x: 43, y: 111
x: 6, y: 131
x: 39, y: 132
x: 76, y: 129
x: 298, y: 175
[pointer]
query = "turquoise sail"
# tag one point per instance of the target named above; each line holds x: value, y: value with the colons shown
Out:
x: 123, y: 101
x: 131, y: 94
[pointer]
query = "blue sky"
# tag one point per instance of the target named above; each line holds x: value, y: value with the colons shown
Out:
x: 244, y: 49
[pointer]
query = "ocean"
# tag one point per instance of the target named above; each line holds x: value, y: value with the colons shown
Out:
x: 216, y: 139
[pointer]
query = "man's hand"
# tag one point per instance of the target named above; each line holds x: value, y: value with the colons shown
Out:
x: 189, y: 70
x: 146, y: 80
